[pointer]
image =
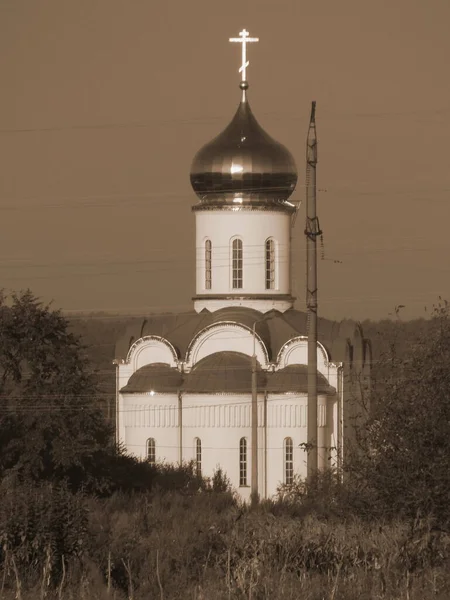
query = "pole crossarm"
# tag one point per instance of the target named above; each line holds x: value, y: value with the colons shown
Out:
x: 312, y: 228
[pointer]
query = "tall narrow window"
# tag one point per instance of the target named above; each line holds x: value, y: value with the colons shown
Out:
x: 208, y: 261
x: 243, y: 462
x: 198, y: 456
x: 270, y: 264
x: 288, y: 461
x: 151, y: 451
x: 237, y: 260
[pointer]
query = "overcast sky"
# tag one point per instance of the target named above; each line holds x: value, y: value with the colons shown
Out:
x: 104, y: 103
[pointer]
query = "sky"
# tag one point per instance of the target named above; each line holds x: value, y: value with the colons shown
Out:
x: 104, y: 103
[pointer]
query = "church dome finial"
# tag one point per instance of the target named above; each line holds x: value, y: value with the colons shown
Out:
x: 244, y: 165
x: 244, y: 39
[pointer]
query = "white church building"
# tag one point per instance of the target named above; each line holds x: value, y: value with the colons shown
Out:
x: 184, y: 381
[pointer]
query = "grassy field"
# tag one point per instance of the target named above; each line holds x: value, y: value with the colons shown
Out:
x: 201, y: 546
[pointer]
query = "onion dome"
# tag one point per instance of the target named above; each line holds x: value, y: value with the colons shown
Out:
x: 156, y: 377
x: 223, y: 373
x: 243, y: 165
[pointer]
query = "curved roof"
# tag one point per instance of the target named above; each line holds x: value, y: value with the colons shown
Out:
x: 223, y: 372
x: 244, y: 165
x: 275, y: 330
x: 156, y: 377
x: 294, y: 378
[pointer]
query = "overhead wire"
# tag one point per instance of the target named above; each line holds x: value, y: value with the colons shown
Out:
x: 212, y: 118
x: 273, y: 397
x: 252, y: 258
x: 181, y: 196
x: 223, y: 250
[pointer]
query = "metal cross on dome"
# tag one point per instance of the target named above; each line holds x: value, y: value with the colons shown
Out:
x: 244, y: 40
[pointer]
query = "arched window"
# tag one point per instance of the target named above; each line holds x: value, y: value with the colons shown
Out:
x: 208, y: 263
x: 237, y: 263
x: 288, y: 461
x: 270, y: 264
x: 151, y: 451
x: 198, y: 456
x: 243, y: 462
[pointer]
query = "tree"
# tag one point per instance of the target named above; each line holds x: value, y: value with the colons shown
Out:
x: 50, y: 426
x: 405, y: 463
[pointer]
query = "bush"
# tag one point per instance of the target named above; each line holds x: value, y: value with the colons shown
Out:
x: 404, y: 466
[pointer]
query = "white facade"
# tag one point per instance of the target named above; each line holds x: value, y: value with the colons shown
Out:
x: 177, y: 422
x: 265, y: 237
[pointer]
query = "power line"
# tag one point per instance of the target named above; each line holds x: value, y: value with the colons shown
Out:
x: 181, y: 196
x: 177, y: 264
x: 175, y: 407
x: 252, y: 251
x: 195, y: 120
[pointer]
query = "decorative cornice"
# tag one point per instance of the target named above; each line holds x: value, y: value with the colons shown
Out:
x: 271, y: 296
x: 288, y: 210
x: 150, y: 338
x: 303, y: 338
x: 261, y: 391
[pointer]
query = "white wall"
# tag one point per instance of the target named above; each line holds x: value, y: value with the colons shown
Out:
x: 286, y: 417
x: 145, y: 416
x: 253, y: 227
x: 221, y: 420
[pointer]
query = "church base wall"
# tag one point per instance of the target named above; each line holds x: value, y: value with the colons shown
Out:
x: 220, y: 422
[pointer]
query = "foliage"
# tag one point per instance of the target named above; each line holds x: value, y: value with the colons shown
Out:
x: 323, y: 495
x: 50, y: 426
x: 173, y: 545
x: 404, y: 468
x: 40, y: 524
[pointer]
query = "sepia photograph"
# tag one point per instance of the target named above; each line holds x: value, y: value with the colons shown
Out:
x: 224, y: 300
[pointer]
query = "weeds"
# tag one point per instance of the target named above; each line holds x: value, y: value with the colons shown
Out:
x: 184, y: 540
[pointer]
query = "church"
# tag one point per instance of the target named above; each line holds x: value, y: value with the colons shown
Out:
x: 225, y: 385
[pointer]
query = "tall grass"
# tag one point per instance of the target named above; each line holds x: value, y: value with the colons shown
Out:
x: 202, y: 545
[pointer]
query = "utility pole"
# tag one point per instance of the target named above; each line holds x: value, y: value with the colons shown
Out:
x: 254, y: 480
x: 255, y: 448
x: 312, y: 231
